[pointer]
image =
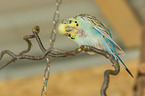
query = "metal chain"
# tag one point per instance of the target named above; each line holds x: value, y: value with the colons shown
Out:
x: 52, y: 40
x: 45, y: 78
x: 55, y: 22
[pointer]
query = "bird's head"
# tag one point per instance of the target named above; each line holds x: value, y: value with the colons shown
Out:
x: 68, y: 27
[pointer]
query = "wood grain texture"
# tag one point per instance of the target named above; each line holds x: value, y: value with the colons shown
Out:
x: 122, y: 19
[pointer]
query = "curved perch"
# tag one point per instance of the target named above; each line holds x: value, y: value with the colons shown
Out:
x: 107, y: 73
x: 56, y: 53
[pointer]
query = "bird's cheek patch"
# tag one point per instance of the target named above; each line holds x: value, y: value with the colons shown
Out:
x: 70, y: 21
x: 69, y: 35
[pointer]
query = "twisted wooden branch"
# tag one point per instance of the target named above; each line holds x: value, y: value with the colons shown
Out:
x: 56, y: 53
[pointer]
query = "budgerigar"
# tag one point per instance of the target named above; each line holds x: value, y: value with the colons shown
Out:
x: 85, y: 29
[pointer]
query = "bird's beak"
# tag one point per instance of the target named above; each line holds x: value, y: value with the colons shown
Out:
x: 61, y: 28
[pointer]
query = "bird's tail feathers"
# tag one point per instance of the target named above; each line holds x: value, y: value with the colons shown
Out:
x: 124, y: 66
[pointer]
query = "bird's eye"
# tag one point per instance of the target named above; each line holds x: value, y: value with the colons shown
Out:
x: 75, y: 21
x: 70, y: 21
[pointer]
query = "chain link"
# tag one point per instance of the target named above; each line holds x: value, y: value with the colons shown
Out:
x: 55, y: 22
x: 45, y: 78
x: 52, y: 40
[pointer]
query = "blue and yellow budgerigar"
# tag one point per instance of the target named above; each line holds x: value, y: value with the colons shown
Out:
x: 85, y: 29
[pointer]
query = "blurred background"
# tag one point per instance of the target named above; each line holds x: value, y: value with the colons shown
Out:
x: 71, y: 76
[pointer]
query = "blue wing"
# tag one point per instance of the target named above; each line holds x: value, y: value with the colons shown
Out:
x: 109, y: 42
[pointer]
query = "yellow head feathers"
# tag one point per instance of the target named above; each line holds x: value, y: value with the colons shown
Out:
x: 61, y: 28
x: 68, y: 27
